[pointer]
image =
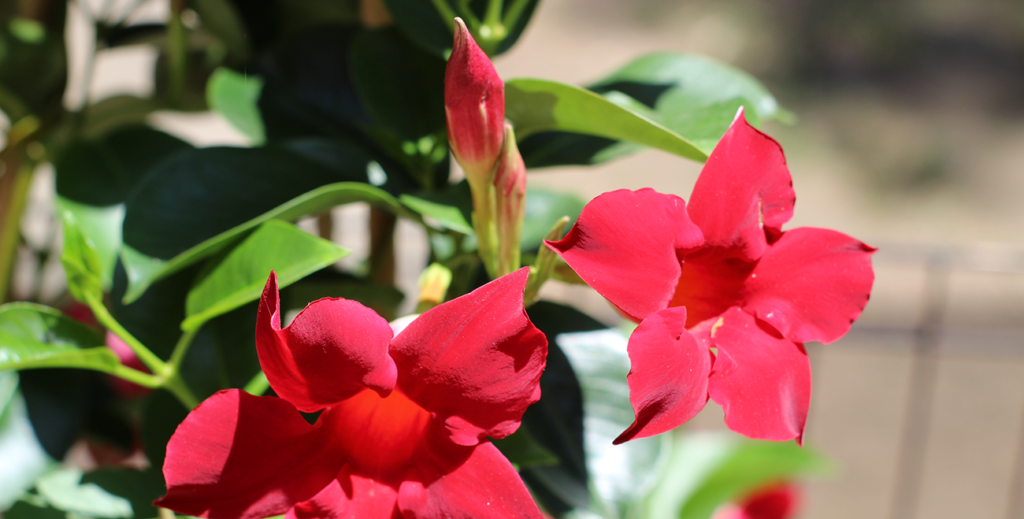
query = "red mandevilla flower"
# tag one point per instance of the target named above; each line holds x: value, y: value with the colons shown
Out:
x: 726, y: 272
x: 779, y: 501
x: 404, y: 420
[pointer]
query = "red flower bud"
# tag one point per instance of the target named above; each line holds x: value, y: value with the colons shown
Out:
x: 474, y: 102
x: 510, y: 191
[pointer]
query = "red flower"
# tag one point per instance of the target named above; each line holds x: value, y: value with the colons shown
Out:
x: 779, y: 501
x: 474, y: 103
x: 725, y: 271
x: 404, y: 420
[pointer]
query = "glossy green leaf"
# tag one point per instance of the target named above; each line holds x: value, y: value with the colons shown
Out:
x: 709, y: 469
x: 24, y: 459
x: 524, y: 451
x: 234, y: 96
x: 37, y: 336
x: 81, y: 262
x: 701, y: 80
x: 239, y: 276
x: 103, y: 227
x: 62, y: 488
x: 694, y: 96
x: 139, y: 487
x: 556, y: 421
x: 381, y: 298
x: 143, y: 270
x: 104, y: 171
x: 450, y: 208
x: 622, y: 475
x: 536, y: 105
x: 543, y: 208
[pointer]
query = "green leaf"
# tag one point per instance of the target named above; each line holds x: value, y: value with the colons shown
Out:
x: 707, y: 470
x: 81, y: 262
x: 622, y: 475
x: 24, y: 459
x: 543, y: 208
x: 143, y: 270
x: 239, y: 277
x: 536, y: 105
x: 104, y: 171
x: 37, y: 336
x: 139, y: 487
x: 556, y: 421
x: 401, y: 85
x: 701, y: 80
x: 103, y: 226
x: 381, y: 298
x: 523, y: 450
x: 450, y: 208
x: 234, y: 96
x: 62, y: 489
x: 694, y: 96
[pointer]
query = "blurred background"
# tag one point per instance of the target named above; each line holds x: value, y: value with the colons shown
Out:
x: 909, y: 136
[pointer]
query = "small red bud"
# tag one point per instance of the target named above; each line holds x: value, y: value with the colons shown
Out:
x: 474, y: 101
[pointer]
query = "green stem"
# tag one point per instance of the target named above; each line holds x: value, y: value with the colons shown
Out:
x: 177, y: 52
x: 493, y: 15
x: 147, y: 357
x: 181, y: 348
x: 137, y: 377
x: 545, y: 263
x: 177, y: 387
x: 446, y: 12
x: 514, y: 12
x: 258, y: 385
x: 468, y: 15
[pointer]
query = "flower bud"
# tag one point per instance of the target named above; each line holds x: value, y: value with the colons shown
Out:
x: 510, y: 202
x: 474, y: 102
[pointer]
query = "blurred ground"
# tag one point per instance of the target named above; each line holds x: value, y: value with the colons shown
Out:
x: 910, y: 137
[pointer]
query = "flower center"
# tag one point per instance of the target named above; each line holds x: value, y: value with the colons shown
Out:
x: 709, y: 285
x: 380, y: 434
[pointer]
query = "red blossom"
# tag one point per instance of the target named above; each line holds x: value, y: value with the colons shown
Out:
x: 403, y: 424
x: 752, y: 292
x: 778, y: 501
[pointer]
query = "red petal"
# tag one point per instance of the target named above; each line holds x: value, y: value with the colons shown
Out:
x: 333, y: 349
x: 811, y: 284
x: 475, y: 361
x: 668, y: 375
x: 482, y: 484
x: 474, y: 101
x: 351, y: 496
x: 744, y: 190
x: 710, y: 283
x: 626, y: 245
x: 762, y: 380
x: 780, y: 501
x: 248, y: 457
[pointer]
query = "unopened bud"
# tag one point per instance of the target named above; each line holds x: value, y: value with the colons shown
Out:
x: 433, y: 283
x: 510, y: 187
x: 474, y: 103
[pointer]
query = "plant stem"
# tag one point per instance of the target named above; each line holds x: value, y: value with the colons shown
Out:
x: 137, y: 377
x: 157, y: 366
x: 177, y: 52
x: 468, y: 15
x: 177, y: 387
x: 545, y: 263
x: 181, y: 348
x: 514, y: 12
x: 493, y: 15
x: 258, y: 385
